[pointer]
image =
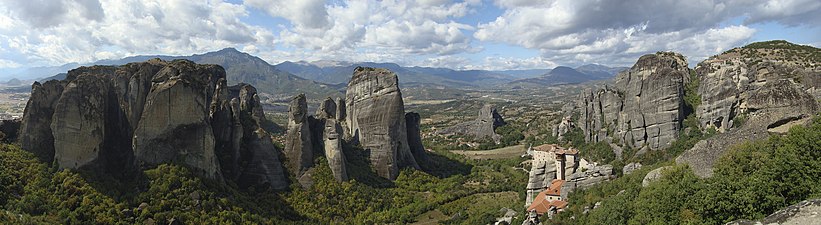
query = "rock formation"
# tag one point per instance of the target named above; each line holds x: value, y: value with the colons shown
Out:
x: 542, y: 172
x: 327, y: 109
x: 654, y: 175
x: 413, y: 121
x: 764, y: 83
x: 35, y: 129
x: 484, y: 126
x: 372, y: 116
x: 332, y: 144
x: 645, y: 108
x: 148, y: 113
x: 728, y: 79
x: 174, y: 125
x: 777, y: 105
x: 375, y: 118
x: 805, y: 212
x: 299, y: 144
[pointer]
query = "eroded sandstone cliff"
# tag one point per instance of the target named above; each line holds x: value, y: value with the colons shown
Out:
x: 143, y: 114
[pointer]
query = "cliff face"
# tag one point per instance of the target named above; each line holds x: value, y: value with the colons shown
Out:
x: 772, y: 84
x: 727, y: 80
x: 299, y: 143
x: 372, y: 116
x: 645, y: 108
x: 484, y: 126
x: 376, y: 119
x: 144, y: 114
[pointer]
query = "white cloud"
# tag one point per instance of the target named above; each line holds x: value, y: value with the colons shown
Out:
x: 613, y: 32
x: 400, y: 27
x: 88, y: 30
x: 305, y: 14
x: 8, y: 64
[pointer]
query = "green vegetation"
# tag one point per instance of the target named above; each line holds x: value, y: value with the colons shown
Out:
x: 32, y: 192
x: 750, y: 181
x: 691, y: 97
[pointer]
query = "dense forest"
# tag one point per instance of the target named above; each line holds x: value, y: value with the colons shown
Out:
x: 32, y: 192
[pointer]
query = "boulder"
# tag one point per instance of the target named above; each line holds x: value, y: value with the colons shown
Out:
x: 653, y: 175
x: 807, y: 212
x: 630, y: 167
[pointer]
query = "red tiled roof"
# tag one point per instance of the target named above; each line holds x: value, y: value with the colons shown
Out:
x: 555, y: 188
x: 542, y: 205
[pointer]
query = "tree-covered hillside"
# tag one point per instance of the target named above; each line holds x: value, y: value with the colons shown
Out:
x: 751, y: 181
x: 32, y: 192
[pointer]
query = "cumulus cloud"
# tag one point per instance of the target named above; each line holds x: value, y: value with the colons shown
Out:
x: 66, y: 31
x: 441, y: 33
x: 610, y: 32
x: 8, y: 64
x: 310, y: 14
x: 407, y: 27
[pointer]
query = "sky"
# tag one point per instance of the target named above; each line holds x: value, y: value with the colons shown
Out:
x: 472, y: 34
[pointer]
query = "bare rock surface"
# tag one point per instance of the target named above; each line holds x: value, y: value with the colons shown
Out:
x: 299, y: 145
x: 117, y: 118
x: 645, y: 108
x: 35, y: 129
x: 777, y: 104
x: 807, y: 212
x: 653, y: 175
x: 484, y: 126
x: 375, y: 118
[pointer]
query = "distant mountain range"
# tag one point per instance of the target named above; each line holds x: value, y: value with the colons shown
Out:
x: 567, y: 75
x: 328, y: 78
x: 340, y: 72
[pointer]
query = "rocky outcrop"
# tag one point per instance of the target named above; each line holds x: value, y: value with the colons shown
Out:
x: 35, y: 129
x: 630, y: 167
x: 174, y: 125
x: 79, y: 121
x: 375, y: 118
x: 564, y: 126
x: 149, y: 113
x: 332, y: 144
x: 728, y: 79
x: 592, y: 175
x: 653, y: 175
x: 327, y: 109
x: 542, y: 172
x: 806, y: 212
x: 776, y: 105
x: 645, y: 108
x: 413, y: 122
x: 372, y: 116
x: 484, y: 126
x: 299, y: 143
